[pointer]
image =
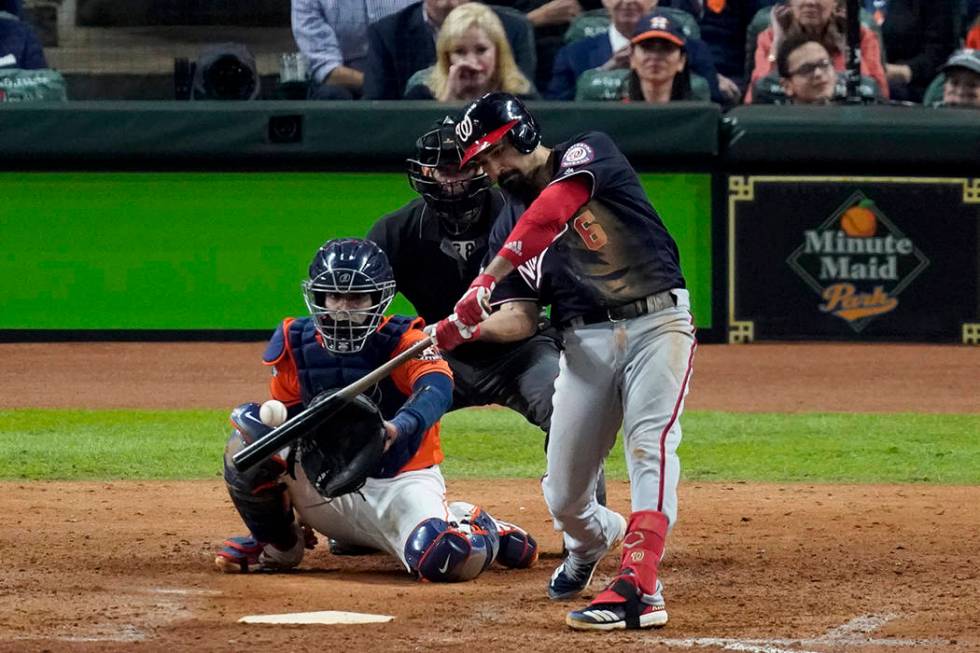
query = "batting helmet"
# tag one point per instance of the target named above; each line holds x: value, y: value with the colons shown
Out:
x: 456, y: 197
x: 350, y: 287
x: 487, y: 120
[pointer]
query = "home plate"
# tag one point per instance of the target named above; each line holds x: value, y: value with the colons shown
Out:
x: 322, y: 617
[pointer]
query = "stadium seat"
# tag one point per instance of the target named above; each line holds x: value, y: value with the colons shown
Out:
x: 418, y: 78
x: 934, y: 92
x: 603, y: 85
x: 768, y: 90
x: 592, y: 23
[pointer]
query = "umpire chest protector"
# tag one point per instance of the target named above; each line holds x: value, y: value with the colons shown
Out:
x: 319, y: 370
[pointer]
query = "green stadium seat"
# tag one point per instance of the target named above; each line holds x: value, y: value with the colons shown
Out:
x: 592, y: 23
x: 601, y: 85
x: 598, y: 85
x: 934, y: 92
x: 768, y: 90
x: 418, y: 78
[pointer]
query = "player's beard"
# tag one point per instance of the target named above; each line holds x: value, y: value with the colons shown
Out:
x: 519, y: 186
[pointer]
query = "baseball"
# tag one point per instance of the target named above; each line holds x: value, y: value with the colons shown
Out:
x: 273, y: 413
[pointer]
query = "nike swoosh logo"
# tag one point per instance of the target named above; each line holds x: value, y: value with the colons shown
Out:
x: 254, y: 419
x: 443, y: 568
x: 636, y: 542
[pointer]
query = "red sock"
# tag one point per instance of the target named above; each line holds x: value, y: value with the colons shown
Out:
x: 642, y: 550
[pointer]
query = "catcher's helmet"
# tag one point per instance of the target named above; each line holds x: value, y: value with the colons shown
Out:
x: 486, y: 120
x: 354, y: 271
x: 456, y: 197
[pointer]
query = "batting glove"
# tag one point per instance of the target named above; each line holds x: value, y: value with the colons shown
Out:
x: 474, y: 306
x: 451, y: 333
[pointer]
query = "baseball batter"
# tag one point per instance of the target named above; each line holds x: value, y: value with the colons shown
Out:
x: 591, y: 245
x: 401, y: 509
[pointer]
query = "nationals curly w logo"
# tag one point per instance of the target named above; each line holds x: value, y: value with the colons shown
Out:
x: 464, y: 128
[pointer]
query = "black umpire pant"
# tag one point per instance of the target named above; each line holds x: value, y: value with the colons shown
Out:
x: 520, y: 376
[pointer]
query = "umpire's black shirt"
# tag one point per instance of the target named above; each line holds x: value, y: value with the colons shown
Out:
x: 433, y: 270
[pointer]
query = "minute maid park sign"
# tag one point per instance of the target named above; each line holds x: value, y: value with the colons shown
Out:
x: 858, y: 262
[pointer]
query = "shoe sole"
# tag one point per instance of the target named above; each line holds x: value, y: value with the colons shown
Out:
x: 656, y: 619
x: 229, y: 566
x: 612, y: 547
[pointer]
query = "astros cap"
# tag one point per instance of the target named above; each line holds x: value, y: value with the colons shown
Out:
x: 659, y: 25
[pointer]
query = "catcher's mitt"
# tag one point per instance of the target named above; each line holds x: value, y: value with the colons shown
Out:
x: 345, y: 449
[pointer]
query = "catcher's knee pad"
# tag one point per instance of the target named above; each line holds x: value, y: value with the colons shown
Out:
x: 439, y: 552
x: 258, y: 494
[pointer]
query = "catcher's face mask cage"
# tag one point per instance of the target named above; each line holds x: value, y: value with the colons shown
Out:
x: 350, y: 287
x: 455, y: 196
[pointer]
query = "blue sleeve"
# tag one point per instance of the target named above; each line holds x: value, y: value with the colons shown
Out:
x: 702, y: 64
x: 562, y: 83
x: 380, y: 81
x: 34, y: 53
x: 432, y: 395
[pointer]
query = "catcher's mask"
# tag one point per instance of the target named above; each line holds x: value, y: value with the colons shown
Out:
x: 455, y: 196
x: 350, y: 287
x: 345, y: 449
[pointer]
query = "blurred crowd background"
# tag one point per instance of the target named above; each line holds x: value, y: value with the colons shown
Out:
x: 730, y: 52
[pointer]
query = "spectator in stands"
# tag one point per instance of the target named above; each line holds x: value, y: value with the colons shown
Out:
x: 19, y: 46
x: 962, y: 85
x: 404, y: 43
x: 332, y: 35
x: 472, y: 58
x: 612, y: 50
x: 806, y: 72
x: 723, y: 29
x: 550, y: 19
x: 658, y: 62
x: 918, y: 37
x: 822, y: 20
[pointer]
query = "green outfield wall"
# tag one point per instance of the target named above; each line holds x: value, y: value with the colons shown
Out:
x: 222, y: 251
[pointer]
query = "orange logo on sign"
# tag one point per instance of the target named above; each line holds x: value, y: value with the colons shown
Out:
x: 857, y: 261
x: 844, y: 301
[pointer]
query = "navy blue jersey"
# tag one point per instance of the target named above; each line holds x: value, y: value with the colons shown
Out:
x: 613, y: 251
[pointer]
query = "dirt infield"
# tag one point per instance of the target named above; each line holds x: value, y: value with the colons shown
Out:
x: 750, y: 567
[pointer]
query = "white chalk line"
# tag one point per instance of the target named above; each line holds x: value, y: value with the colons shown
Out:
x: 848, y: 634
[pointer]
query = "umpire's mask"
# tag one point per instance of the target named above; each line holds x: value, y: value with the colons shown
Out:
x: 455, y: 196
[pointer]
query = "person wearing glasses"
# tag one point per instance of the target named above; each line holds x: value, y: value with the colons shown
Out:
x: 806, y: 71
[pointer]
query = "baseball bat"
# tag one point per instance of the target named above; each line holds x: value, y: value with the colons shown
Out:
x: 295, y: 428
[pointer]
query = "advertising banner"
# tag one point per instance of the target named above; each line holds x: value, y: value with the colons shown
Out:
x: 853, y: 258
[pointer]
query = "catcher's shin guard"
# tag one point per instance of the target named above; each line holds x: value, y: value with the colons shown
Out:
x: 439, y: 552
x: 258, y: 494
x: 518, y: 550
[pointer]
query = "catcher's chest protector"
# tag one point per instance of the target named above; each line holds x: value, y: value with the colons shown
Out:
x: 319, y: 370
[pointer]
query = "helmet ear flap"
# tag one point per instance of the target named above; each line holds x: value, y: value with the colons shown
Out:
x: 525, y: 135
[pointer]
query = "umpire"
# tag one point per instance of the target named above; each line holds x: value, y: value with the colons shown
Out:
x: 436, y: 244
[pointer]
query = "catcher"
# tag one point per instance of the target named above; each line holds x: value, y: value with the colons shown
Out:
x: 369, y: 475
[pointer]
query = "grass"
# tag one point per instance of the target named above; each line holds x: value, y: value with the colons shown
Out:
x: 813, y: 447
